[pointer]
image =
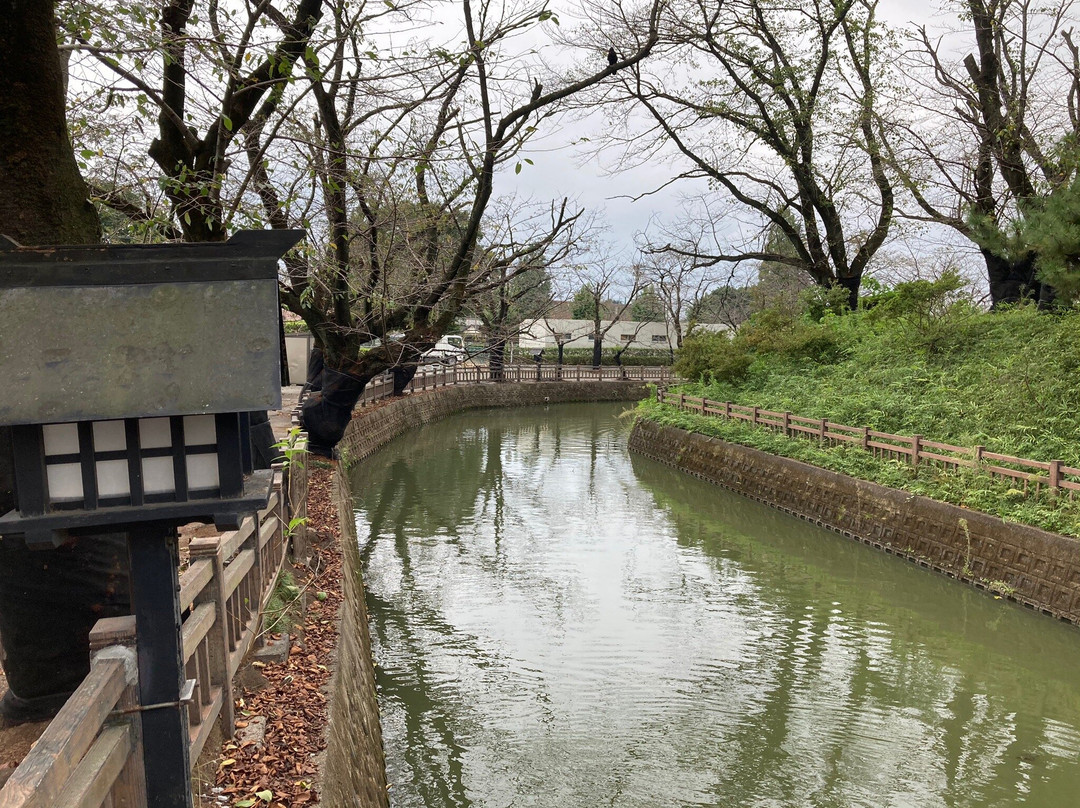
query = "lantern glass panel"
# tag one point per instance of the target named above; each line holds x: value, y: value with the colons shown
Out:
x: 65, y: 482
x: 199, y: 430
x: 202, y: 471
x: 109, y: 436
x: 158, y: 475
x: 61, y: 439
x: 112, y: 478
x: 155, y: 433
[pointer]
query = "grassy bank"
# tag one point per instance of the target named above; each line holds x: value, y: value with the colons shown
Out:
x: 918, y: 363
x: 967, y: 489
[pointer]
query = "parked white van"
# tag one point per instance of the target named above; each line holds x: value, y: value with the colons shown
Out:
x: 449, y: 350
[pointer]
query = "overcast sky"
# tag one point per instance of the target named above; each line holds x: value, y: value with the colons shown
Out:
x: 564, y: 169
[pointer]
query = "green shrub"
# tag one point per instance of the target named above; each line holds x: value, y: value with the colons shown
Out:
x: 283, y: 606
x: 709, y: 354
x: 967, y: 489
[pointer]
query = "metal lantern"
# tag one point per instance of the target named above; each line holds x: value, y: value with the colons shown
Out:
x: 128, y: 376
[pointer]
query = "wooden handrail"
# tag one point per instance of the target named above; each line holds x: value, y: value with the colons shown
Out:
x: 913, y: 447
x: 43, y: 773
x: 93, y: 778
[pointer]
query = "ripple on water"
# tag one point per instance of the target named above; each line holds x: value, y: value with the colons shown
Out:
x: 557, y: 624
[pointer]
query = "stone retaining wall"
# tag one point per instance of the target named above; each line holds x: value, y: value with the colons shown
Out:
x: 371, y: 429
x: 355, y: 773
x: 1034, y: 567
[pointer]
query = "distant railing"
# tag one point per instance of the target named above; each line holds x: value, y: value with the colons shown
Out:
x: 428, y: 377
x: 90, y: 755
x: 914, y: 449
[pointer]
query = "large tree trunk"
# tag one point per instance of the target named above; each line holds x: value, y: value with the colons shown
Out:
x: 327, y: 408
x: 597, y: 351
x: 44, y: 199
x: 403, y: 375
x: 49, y: 600
x: 852, y: 285
x: 1015, y: 281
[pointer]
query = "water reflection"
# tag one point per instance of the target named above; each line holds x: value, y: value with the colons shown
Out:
x: 556, y: 623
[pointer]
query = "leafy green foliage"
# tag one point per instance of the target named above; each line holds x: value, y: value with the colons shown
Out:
x: 724, y: 304
x: 585, y: 304
x: 646, y: 307
x: 1005, y: 380
x: 283, y: 606
x: 919, y: 363
x: 768, y: 338
x: 967, y: 489
x: 1053, y: 230
x: 927, y: 312
x: 708, y: 354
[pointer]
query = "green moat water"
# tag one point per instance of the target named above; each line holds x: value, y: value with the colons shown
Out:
x: 557, y: 623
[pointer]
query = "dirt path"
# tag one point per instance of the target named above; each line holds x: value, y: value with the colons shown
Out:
x: 289, y: 698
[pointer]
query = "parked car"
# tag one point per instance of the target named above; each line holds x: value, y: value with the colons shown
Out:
x: 449, y: 350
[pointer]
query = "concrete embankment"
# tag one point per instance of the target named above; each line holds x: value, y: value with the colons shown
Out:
x: 354, y: 770
x: 1034, y: 567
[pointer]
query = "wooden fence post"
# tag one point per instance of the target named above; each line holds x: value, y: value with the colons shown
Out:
x: 823, y: 429
x: 866, y: 438
x: 755, y: 418
x: 727, y: 410
x: 787, y: 424
x: 281, y: 535
x: 218, y: 642
x: 916, y: 447
x: 1055, y: 475
x: 129, y: 790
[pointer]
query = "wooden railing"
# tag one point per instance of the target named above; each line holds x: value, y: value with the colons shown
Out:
x: 429, y: 377
x: 90, y: 752
x: 90, y: 755
x: 913, y: 449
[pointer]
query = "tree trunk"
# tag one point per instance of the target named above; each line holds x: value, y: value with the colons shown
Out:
x: 1015, y: 281
x: 403, y: 374
x: 496, y: 359
x: 49, y: 599
x: 44, y: 199
x: 326, y: 412
x: 597, y: 351
x: 852, y: 285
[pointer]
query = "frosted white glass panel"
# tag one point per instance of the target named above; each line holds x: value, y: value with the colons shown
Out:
x: 112, y: 478
x: 109, y: 436
x: 199, y: 430
x: 158, y: 475
x: 65, y: 482
x: 61, y: 439
x: 154, y: 433
x: 202, y: 471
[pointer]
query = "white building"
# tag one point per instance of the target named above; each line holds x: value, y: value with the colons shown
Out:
x: 548, y: 332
